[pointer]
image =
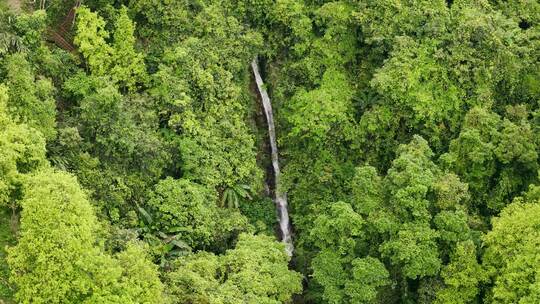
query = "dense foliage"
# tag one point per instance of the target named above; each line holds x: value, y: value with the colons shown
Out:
x: 135, y: 164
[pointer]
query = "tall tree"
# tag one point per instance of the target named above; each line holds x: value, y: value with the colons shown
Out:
x: 91, y: 40
x: 22, y: 152
x: 128, y: 68
x: 255, y: 271
x: 31, y: 98
x: 57, y: 260
x: 511, y: 256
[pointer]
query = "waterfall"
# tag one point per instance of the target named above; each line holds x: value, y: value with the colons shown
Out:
x: 280, y: 197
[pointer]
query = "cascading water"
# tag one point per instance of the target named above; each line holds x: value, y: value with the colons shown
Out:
x: 280, y: 197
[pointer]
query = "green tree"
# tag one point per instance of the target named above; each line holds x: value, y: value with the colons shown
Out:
x: 91, y: 40
x: 414, y: 249
x: 497, y: 158
x: 118, y: 60
x: 345, y: 276
x: 22, y: 152
x: 185, y: 208
x: 31, y: 98
x: 255, y: 271
x: 315, y: 115
x: 339, y: 230
x: 369, y: 274
x: 201, y: 102
x: 367, y: 190
x: 104, y: 140
x: 511, y: 256
x: 189, y: 212
x: 462, y: 276
x: 57, y: 260
x: 417, y: 217
x: 382, y: 21
x: 56, y: 268
x: 419, y: 87
x: 379, y: 134
x: 128, y: 68
x: 526, y: 12
x: 140, y: 278
x: 488, y: 53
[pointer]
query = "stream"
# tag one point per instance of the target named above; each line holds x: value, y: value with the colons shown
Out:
x: 280, y: 197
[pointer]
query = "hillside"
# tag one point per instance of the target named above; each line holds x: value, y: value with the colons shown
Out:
x: 270, y: 151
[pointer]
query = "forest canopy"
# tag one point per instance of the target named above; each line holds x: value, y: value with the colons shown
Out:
x: 270, y: 151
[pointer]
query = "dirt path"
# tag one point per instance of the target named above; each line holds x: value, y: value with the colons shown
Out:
x: 14, y: 5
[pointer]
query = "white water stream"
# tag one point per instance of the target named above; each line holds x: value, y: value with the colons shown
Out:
x: 280, y: 197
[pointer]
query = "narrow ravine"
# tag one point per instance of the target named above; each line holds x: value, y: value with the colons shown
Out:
x: 280, y: 198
